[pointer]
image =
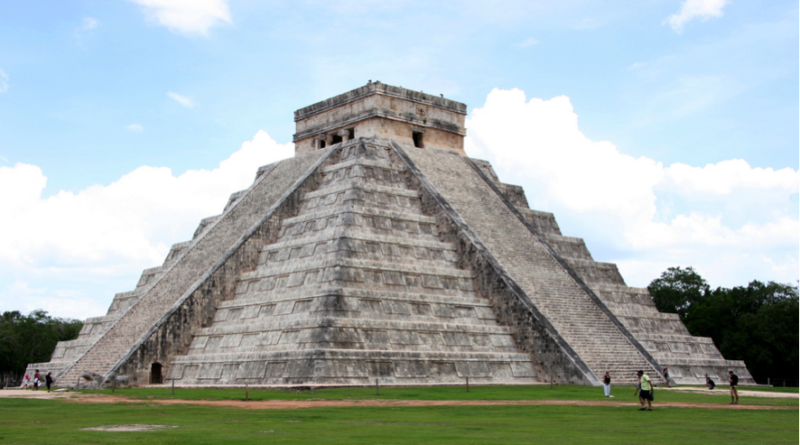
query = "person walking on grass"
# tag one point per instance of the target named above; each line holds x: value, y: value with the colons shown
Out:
x: 48, y: 380
x: 645, y: 391
x: 25, y: 381
x: 607, y: 385
x: 734, y: 390
x: 639, y: 391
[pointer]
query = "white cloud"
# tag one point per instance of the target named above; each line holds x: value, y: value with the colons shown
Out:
x: 691, y: 9
x: 530, y: 41
x: 187, y: 16
x: 638, y: 211
x: 88, y: 23
x: 183, y: 100
x: 3, y: 81
x: 112, y: 231
x: 136, y: 128
x: 59, y: 303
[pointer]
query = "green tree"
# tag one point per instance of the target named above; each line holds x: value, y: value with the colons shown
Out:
x: 31, y: 338
x: 757, y: 323
x: 677, y: 289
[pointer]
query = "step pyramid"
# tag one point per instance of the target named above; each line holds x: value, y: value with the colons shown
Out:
x: 380, y: 251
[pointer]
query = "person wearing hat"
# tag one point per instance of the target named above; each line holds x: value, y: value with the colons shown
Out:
x: 645, y: 391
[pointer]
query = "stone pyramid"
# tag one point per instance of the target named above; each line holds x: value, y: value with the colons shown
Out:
x: 380, y: 251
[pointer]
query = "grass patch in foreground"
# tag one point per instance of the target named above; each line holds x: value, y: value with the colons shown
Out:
x: 26, y: 421
x: 531, y: 392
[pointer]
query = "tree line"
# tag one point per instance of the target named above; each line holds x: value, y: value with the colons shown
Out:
x: 757, y: 323
x: 31, y: 339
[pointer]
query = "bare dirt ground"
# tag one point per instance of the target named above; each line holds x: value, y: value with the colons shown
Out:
x: 742, y: 392
x: 321, y: 403
x: 31, y: 394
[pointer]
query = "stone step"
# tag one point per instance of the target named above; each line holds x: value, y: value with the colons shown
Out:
x: 465, y: 299
x: 354, y: 187
x: 383, y: 165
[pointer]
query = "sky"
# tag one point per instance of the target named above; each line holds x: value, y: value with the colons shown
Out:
x: 662, y: 132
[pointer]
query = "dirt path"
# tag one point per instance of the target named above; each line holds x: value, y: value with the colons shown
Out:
x: 321, y: 403
x: 31, y: 394
x: 742, y: 392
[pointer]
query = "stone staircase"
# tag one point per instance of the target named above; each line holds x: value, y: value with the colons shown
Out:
x: 357, y: 286
x: 67, y: 352
x: 663, y: 335
x: 106, y: 340
x: 578, y: 319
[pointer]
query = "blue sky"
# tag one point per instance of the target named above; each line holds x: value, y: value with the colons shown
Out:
x: 695, y: 101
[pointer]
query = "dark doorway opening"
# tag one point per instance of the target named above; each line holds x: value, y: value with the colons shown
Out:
x: 351, y: 133
x: 321, y: 144
x: 155, y: 374
x: 417, y: 135
x: 336, y: 139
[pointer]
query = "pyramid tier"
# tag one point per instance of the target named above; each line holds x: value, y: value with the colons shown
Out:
x: 351, y: 367
x: 360, y: 268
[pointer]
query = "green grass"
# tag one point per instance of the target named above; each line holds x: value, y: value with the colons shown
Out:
x: 533, y: 392
x: 26, y: 421
x: 793, y: 389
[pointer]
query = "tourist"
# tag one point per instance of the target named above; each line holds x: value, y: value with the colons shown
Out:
x: 36, y: 381
x: 666, y: 375
x: 639, y: 392
x: 645, y: 391
x: 607, y: 385
x: 25, y: 381
x: 710, y: 383
x: 48, y: 380
x: 734, y: 390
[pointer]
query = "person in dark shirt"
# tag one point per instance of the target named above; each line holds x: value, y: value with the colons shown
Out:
x: 607, y: 385
x: 710, y: 383
x: 734, y: 390
x: 48, y: 380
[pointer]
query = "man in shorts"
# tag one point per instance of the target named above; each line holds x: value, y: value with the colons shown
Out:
x: 734, y: 390
x: 646, y: 392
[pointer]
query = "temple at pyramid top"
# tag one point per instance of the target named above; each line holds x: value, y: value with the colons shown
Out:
x: 376, y: 109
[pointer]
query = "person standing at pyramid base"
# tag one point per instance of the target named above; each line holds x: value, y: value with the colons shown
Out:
x: 734, y: 388
x: 646, y: 391
x: 607, y: 385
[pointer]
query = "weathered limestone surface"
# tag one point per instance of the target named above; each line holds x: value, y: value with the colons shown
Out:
x: 589, y: 331
x: 193, y: 264
x: 357, y: 286
x: 66, y: 352
x: 663, y: 335
x: 380, y: 110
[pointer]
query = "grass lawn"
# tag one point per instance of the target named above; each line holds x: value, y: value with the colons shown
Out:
x: 27, y: 421
x: 533, y: 392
